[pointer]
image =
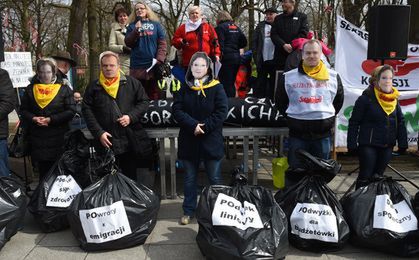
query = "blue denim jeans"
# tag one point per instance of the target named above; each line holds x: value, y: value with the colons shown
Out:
x: 4, y: 159
x: 319, y: 148
x: 213, y: 170
x: 373, y: 161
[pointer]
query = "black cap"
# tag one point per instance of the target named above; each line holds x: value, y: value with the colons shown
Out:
x: 271, y: 10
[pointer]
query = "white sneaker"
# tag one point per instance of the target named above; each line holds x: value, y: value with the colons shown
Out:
x: 185, y: 220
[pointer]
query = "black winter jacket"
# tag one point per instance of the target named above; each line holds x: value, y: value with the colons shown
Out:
x: 308, y: 129
x: 231, y: 40
x: 46, y: 143
x: 190, y: 108
x: 7, y: 102
x: 101, y: 114
x: 258, y: 42
x: 370, y: 125
x: 286, y: 28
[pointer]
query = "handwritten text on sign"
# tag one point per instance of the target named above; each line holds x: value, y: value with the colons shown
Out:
x: 394, y: 217
x: 229, y: 212
x: 63, y: 191
x: 19, y: 66
x: 314, y: 221
x: 105, y: 223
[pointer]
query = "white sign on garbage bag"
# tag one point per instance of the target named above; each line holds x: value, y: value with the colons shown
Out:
x: 394, y: 217
x: 63, y: 191
x: 314, y: 221
x: 229, y: 212
x: 105, y: 223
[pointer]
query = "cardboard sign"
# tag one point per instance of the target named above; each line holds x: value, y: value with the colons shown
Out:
x: 229, y: 212
x: 394, y: 217
x: 19, y: 66
x: 105, y: 223
x: 314, y: 221
x: 63, y: 191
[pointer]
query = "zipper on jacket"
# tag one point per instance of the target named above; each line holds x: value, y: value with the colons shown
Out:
x: 372, y: 132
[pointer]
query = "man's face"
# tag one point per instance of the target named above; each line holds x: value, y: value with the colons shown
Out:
x: 311, y: 54
x: 77, y: 97
x: 195, y: 15
x: 63, y: 66
x: 109, y: 67
x: 199, y: 68
x: 270, y: 17
x: 287, y: 6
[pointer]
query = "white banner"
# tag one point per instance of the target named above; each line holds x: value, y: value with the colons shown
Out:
x: 105, y: 223
x: 229, y: 212
x: 63, y: 191
x: 314, y: 221
x: 394, y: 217
x: 19, y: 66
x: 354, y: 68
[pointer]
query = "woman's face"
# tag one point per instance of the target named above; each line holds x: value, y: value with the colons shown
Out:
x: 195, y: 15
x: 385, y: 82
x: 45, y: 75
x: 122, y: 18
x: 199, y: 68
x: 141, y: 11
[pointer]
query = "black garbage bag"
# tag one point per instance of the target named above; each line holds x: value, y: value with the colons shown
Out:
x: 12, y: 208
x: 113, y: 213
x: 381, y: 217
x: 240, y: 222
x: 50, y: 201
x: 315, y: 216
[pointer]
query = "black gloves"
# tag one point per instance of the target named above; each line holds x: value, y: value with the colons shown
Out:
x: 126, y: 50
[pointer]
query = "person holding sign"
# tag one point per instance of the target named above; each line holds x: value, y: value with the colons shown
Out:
x: 7, y: 104
x: 200, y: 110
x: 47, y: 108
x: 376, y: 124
x: 310, y: 96
x: 112, y: 108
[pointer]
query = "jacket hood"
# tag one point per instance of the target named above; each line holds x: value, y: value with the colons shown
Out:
x: 189, y: 78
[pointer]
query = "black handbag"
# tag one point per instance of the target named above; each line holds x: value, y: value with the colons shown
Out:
x: 19, y: 147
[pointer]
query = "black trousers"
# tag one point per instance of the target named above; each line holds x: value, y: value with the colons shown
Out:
x: 227, y: 77
x: 265, y: 86
x: 43, y: 168
x: 127, y: 162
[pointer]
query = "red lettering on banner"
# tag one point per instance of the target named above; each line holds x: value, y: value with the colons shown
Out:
x: 311, y: 100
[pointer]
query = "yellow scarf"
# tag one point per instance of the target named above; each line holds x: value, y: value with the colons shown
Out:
x: 387, y: 102
x: 202, y: 87
x: 318, y: 73
x: 45, y: 93
x: 111, y: 86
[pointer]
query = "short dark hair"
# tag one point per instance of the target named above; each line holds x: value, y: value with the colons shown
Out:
x: 119, y: 11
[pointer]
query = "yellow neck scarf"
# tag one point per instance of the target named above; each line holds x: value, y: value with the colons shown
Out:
x: 318, y: 73
x: 111, y: 86
x: 387, y: 102
x: 45, y: 93
x: 202, y: 87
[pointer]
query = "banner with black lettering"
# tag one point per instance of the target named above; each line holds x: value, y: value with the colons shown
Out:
x: 316, y: 219
x: 381, y: 217
x: 105, y: 223
x: 354, y: 67
x: 63, y: 191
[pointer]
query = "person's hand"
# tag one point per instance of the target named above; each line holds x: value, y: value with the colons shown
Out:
x: 45, y: 121
x: 138, y: 25
x: 126, y: 50
x: 124, y: 120
x: 287, y: 47
x: 39, y: 120
x: 104, y: 139
x: 199, y: 130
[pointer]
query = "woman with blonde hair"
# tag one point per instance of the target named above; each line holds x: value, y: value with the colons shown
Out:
x: 376, y: 124
x: 231, y: 40
x: 147, y: 40
x: 47, y: 107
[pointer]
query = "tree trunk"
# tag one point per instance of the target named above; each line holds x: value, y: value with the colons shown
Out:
x: 414, y: 22
x: 251, y: 11
x: 75, y: 29
x: 93, y: 40
x: 26, y: 37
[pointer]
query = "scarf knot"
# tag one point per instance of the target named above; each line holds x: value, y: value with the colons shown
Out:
x: 387, y: 101
x: 318, y: 73
x: 45, y: 93
x: 111, y: 86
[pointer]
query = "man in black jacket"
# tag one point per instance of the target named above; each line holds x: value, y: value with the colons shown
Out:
x: 310, y: 96
x: 7, y: 104
x: 263, y: 51
x: 64, y: 64
x: 287, y: 26
x: 111, y: 105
